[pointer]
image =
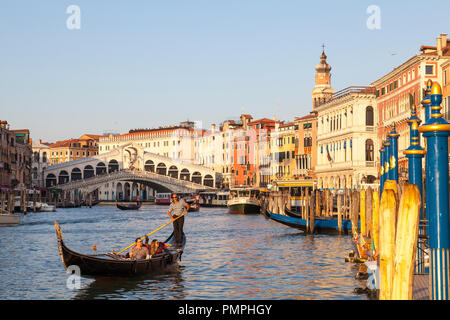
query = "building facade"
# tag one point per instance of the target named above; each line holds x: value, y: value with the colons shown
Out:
x: 405, y: 85
x: 306, y: 155
x: 176, y: 142
x: 346, y: 139
x: 40, y: 161
x: 284, y: 145
x: 15, y: 157
x: 74, y: 149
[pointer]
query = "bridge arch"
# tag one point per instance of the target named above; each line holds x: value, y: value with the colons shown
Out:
x: 149, y: 166
x: 208, y: 180
x: 185, y: 175
x: 161, y: 168
x: 63, y: 177
x: 173, y: 172
x: 113, y: 165
x: 127, y: 191
x: 76, y: 174
x: 50, y: 180
x: 197, y: 177
x: 88, y: 172
x: 100, y: 168
x: 119, y: 191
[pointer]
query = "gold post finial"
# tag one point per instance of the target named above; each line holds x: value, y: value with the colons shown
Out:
x: 436, y: 88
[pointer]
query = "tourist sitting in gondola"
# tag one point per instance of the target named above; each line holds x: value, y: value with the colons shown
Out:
x: 158, y: 247
x: 139, y: 251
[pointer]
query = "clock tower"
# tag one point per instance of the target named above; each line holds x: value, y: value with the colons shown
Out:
x: 322, y: 92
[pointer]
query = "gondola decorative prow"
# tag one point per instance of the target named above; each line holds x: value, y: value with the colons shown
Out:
x: 60, y: 240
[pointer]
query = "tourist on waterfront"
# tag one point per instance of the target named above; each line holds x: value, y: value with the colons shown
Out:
x: 176, y: 209
x: 139, y: 251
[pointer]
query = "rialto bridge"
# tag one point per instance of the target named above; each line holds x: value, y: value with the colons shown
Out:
x: 128, y: 172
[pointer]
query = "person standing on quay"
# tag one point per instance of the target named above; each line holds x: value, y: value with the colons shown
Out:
x: 176, y: 209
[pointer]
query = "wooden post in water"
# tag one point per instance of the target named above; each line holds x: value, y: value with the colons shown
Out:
x: 355, y: 210
x: 369, y: 208
x: 323, y: 202
x: 306, y: 211
x: 376, y: 220
x: 406, y: 243
x: 24, y: 200
x: 312, y: 215
x: 288, y: 201
x: 306, y: 205
x: 302, y: 202
x: 11, y: 202
x: 339, y: 213
x: 34, y: 200
x: 387, y: 241
x: 392, y: 185
x: 362, y: 212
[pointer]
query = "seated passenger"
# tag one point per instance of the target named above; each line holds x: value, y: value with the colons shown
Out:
x: 139, y: 251
x: 158, y: 247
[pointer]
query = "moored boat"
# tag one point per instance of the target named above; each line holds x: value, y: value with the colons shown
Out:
x: 326, y: 225
x: 9, y: 219
x: 110, y: 264
x: 131, y: 206
x: 244, y: 201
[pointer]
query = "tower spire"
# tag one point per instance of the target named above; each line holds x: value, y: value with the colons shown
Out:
x: 322, y: 91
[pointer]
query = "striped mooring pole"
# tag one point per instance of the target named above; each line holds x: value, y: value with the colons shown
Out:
x: 415, y: 154
x: 393, y: 160
x: 436, y: 132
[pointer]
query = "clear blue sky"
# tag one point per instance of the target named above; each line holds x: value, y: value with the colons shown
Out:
x: 148, y: 63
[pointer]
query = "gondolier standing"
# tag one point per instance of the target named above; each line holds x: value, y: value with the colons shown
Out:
x: 176, y: 209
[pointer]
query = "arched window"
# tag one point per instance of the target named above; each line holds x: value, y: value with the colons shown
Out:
x: 369, y: 116
x: 100, y: 168
x: 369, y: 150
x: 149, y: 166
x: 113, y: 165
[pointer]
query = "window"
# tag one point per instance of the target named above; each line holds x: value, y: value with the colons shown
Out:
x: 369, y: 116
x: 445, y: 77
x: 369, y: 150
x: 429, y: 69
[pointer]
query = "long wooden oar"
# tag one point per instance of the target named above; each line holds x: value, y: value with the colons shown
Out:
x: 152, y: 233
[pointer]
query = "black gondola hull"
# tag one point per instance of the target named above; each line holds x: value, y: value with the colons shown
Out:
x: 108, y: 265
x: 129, y: 206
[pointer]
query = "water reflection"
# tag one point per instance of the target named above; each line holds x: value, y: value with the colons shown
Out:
x: 165, y: 285
x: 226, y: 257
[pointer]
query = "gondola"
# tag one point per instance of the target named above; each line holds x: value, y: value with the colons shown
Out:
x: 194, y: 206
x: 325, y: 225
x: 129, y: 206
x: 292, y: 214
x: 109, y: 264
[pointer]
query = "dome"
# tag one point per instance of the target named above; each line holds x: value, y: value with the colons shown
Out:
x: 323, y: 66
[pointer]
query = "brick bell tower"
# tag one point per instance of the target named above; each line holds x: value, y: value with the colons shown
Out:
x: 322, y: 92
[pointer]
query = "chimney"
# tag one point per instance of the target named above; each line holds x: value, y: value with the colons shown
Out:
x: 439, y: 46
x: 443, y: 40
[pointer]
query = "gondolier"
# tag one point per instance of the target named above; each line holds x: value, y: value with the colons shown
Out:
x: 176, y: 209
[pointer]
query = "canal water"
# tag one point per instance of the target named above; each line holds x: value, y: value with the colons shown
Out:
x: 226, y: 257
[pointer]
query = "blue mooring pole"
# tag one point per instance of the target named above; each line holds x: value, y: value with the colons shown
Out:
x: 387, y: 157
x: 436, y: 132
x: 393, y: 161
x: 415, y: 154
